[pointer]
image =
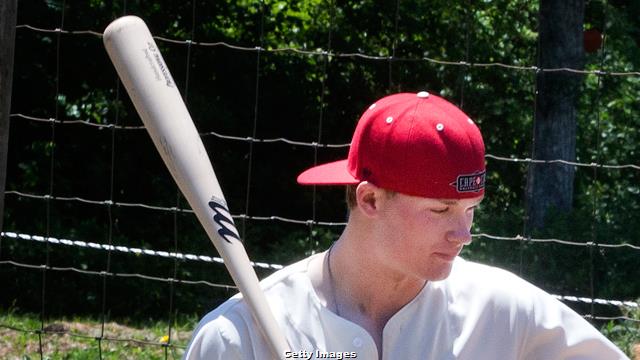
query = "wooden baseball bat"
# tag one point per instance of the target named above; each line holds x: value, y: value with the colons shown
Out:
x: 150, y: 85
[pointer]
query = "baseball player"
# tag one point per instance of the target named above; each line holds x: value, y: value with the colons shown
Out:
x: 393, y: 286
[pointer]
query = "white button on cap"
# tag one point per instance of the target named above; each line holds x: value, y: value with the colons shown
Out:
x: 357, y: 342
x: 423, y: 94
x: 389, y: 120
x: 439, y: 127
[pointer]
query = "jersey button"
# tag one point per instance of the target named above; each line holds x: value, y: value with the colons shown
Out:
x: 357, y: 342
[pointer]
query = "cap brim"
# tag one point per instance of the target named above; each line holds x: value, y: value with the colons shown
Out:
x: 334, y: 173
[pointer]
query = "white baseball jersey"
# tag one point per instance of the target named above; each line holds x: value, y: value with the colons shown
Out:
x: 479, y: 312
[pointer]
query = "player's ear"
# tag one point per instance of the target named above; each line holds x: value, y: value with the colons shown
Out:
x: 368, y: 198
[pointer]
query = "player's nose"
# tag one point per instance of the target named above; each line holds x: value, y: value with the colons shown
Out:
x: 460, y: 233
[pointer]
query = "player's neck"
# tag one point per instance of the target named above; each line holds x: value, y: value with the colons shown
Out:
x: 362, y: 290
x: 363, y: 285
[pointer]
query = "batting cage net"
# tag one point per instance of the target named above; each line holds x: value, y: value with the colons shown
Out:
x: 94, y: 225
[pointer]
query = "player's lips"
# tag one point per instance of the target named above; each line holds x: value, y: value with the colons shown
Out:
x: 447, y: 256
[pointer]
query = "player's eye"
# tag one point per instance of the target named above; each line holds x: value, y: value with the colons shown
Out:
x: 440, y: 211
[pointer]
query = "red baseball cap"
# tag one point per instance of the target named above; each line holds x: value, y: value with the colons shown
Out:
x: 416, y: 144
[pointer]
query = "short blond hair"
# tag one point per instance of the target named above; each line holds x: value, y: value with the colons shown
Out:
x: 351, y: 196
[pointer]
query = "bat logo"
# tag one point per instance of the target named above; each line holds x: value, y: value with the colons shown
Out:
x: 155, y: 53
x: 226, y: 227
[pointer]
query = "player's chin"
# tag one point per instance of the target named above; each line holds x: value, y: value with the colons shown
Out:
x: 440, y: 272
x: 442, y: 275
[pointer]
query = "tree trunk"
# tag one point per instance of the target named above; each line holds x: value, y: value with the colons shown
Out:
x: 550, y: 186
x: 8, y: 11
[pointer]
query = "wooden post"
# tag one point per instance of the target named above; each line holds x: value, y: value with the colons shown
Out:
x: 8, y: 11
x: 550, y: 186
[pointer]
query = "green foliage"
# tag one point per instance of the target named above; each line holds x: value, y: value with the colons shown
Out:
x: 306, y: 97
x: 625, y: 334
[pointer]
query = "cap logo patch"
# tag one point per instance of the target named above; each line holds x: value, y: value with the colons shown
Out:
x: 470, y: 182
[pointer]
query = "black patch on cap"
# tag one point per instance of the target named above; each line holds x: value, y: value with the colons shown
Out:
x: 470, y: 182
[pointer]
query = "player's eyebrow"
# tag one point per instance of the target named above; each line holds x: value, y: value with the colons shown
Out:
x: 448, y: 201
x: 454, y: 201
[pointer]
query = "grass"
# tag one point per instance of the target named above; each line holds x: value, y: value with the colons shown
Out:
x: 77, y: 338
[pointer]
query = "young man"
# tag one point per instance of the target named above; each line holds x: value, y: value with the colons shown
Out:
x: 393, y: 286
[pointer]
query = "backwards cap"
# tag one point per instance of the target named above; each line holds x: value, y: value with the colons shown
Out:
x: 415, y: 144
